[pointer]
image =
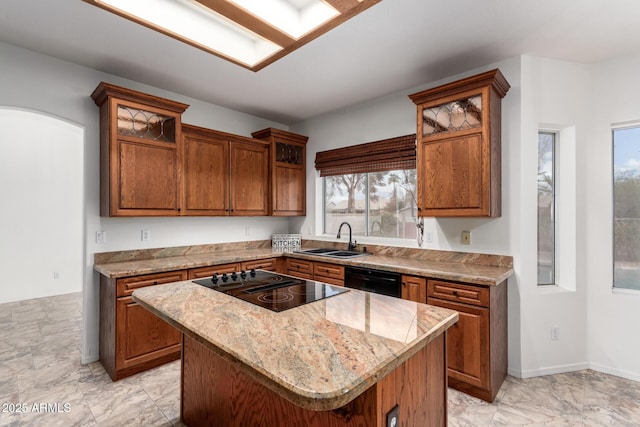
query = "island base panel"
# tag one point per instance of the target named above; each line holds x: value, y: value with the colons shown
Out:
x: 217, y: 393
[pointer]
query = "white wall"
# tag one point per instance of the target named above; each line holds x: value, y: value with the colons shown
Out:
x: 38, y: 82
x: 557, y: 95
x: 613, y: 316
x: 42, y: 191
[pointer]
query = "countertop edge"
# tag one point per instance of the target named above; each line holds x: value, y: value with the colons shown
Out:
x: 187, y: 262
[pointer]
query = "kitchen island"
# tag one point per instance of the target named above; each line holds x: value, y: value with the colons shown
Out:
x: 347, y: 360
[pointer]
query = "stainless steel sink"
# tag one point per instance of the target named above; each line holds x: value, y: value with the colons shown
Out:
x: 333, y: 253
x: 317, y: 251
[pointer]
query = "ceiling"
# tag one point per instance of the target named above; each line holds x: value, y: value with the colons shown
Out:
x: 395, y: 45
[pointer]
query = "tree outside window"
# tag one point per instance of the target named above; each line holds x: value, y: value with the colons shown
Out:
x: 379, y: 204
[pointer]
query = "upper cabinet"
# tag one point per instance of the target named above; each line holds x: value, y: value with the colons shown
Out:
x: 288, y: 183
x: 153, y: 165
x: 458, y: 151
x: 139, y: 150
x: 205, y: 177
x: 224, y: 174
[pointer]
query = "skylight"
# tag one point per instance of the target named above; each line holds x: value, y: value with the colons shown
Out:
x: 251, y: 33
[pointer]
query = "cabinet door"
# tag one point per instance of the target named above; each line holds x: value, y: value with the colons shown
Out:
x: 450, y: 176
x: 300, y: 268
x: 414, y: 289
x: 142, y: 336
x: 249, y: 179
x: 205, y: 175
x: 140, y: 160
x: 468, y: 343
x: 328, y: 273
x: 148, y: 178
x: 289, y: 192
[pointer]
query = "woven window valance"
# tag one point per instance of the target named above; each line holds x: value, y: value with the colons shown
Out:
x: 387, y: 154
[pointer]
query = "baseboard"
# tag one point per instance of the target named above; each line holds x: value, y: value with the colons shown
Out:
x: 85, y: 360
x: 550, y: 370
x: 635, y: 376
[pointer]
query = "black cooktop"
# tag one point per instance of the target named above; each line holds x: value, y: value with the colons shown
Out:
x: 270, y: 290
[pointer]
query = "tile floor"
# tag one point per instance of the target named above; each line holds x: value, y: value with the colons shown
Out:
x: 40, y: 371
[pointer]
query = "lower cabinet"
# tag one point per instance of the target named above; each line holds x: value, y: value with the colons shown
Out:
x: 132, y: 339
x: 321, y: 271
x: 414, y: 289
x: 270, y: 264
x: 299, y: 268
x: 328, y: 273
x: 477, y: 344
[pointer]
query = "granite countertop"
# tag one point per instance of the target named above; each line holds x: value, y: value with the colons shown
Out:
x: 446, y: 269
x: 326, y: 353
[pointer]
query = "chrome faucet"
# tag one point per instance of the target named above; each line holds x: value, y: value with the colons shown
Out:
x: 352, y: 245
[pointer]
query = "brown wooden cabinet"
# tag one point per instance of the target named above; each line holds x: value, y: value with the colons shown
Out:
x: 414, y: 289
x: 477, y: 344
x: 458, y: 152
x: 139, y: 150
x: 288, y: 181
x: 328, y: 273
x: 332, y: 274
x: 300, y: 268
x: 249, y: 178
x: 205, y: 172
x: 224, y: 174
x: 269, y: 264
x: 132, y: 339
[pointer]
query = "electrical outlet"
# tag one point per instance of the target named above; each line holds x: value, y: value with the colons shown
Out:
x: 555, y: 333
x: 145, y: 235
x: 101, y: 237
x: 393, y: 417
x: 428, y: 236
x: 56, y: 275
x: 247, y: 230
x: 466, y: 237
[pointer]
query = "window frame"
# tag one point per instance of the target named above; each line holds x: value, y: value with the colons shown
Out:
x: 367, y: 212
x: 617, y: 127
x: 555, y: 134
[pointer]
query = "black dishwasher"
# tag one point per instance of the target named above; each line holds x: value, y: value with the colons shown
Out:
x: 379, y: 282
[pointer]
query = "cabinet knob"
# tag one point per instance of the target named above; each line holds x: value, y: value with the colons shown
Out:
x: 455, y: 293
x: 404, y: 283
x: 155, y: 282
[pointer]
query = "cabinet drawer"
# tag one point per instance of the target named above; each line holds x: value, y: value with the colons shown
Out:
x: 199, y: 273
x: 260, y: 264
x: 467, y: 294
x: 301, y: 268
x: 332, y: 271
x: 126, y: 286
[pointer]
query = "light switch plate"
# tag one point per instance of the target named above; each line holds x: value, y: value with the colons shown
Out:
x: 393, y: 417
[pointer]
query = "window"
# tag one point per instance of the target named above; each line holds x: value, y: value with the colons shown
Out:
x: 546, y: 208
x: 626, y: 207
x: 379, y: 204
